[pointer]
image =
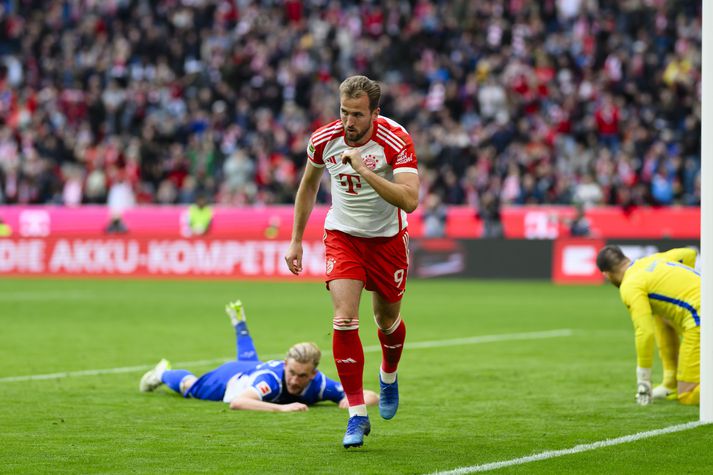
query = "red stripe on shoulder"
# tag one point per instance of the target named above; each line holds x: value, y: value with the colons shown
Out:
x: 327, y: 132
x: 326, y: 127
x: 393, y: 129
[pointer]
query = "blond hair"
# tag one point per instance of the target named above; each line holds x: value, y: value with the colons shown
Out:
x: 354, y: 87
x: 305, y: 352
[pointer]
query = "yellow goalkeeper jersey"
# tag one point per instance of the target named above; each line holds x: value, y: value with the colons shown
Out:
x: 664, y: 285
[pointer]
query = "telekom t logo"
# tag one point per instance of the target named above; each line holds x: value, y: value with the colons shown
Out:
x: 351, y: 182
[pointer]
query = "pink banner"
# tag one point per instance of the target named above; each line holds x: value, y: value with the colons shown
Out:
x: 156, y: 221
x: 275, y: 222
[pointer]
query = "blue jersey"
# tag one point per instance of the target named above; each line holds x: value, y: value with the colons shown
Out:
x: 267, y: 380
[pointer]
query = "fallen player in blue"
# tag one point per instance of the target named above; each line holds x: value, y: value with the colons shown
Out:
x: 250, y: 384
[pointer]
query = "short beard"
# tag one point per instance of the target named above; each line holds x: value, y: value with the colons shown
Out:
x: 358, y: 138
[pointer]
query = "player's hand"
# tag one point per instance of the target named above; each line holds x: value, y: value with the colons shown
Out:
x: 353, y: 158
x: 294, y: 407
x: 644, y: 393
x: 344, y: 403
x: 293, y: 258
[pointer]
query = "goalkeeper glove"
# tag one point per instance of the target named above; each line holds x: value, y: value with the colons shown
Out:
x: 644, y: 392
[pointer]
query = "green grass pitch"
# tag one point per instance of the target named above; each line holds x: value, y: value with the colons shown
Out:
x: 462, y: 405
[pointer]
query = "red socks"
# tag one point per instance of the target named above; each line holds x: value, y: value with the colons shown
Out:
x: 392, y: 344
x: 349, y: 358
x: 349, y: 355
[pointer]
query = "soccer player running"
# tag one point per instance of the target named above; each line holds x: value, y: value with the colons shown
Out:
x: 663, y: 295
x: 288, y: 385
x: 374, y: 183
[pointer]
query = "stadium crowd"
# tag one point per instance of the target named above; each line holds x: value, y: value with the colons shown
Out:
x: 517, y: 101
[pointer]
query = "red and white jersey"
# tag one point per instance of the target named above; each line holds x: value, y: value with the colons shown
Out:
x: 357, y: 209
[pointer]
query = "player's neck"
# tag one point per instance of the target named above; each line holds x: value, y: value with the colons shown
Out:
x: 621, y: 272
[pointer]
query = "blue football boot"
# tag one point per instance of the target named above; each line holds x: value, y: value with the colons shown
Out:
x: 357, y: 428
x: 388, y: 399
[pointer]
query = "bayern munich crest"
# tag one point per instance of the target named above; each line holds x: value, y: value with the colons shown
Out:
x: 370, y: 161
x: 330, y: 264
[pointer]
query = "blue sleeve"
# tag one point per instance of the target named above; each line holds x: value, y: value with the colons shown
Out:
x: 332, y: 391
x: 266, y: 385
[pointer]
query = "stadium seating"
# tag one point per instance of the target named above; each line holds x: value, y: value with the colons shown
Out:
x: 532, y: 102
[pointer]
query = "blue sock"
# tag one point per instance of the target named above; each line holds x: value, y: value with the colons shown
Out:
x: 244, y: 343
x: 173, y: 377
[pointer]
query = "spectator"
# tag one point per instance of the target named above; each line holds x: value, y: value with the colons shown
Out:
x: 72, y: 189
x: 239, y: 176
x: 5, y: 229
x: 120, y: 198
x: 579, y: 226
x: 587, y: 192
x: 200, y: 216
x: 662, y: 186
x: 489, y: 213
x: 434, y: 217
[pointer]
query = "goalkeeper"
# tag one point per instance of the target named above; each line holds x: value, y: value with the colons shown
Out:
x: 663, y: 295
x: 288, y: 385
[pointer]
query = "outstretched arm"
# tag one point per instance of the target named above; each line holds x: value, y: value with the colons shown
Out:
x: 370, y: 399
x: 250, y: 401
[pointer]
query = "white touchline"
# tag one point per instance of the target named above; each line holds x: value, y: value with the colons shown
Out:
x: 573, y: 450
x: 474, y: 340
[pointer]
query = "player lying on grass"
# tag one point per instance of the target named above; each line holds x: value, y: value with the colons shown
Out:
x: 250, y: 384
x: 663, y: 295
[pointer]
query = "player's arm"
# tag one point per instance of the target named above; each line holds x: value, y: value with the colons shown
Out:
x: 333, y: 391
x: 684, y: 255
x: 402, y: 192
x: 250, y: 401
x: 637, y: 302
x: 370, y: 399
x: 304, y: 203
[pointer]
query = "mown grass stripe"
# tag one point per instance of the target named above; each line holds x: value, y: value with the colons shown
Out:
x: 474, y: 340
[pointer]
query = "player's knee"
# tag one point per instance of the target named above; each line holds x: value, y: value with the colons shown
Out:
x: 691, y: 397
x: 387, y: 323
x: 344, y: 323
x: 187, y: 383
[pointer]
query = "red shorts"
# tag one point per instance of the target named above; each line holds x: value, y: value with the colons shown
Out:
x: 380, y: 262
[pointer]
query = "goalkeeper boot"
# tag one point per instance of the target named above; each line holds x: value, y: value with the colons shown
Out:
x: 388, y: 399
x: 357, y: 428
x: 662, y: 392
x: 152, y: 379
x: 235, y: 312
